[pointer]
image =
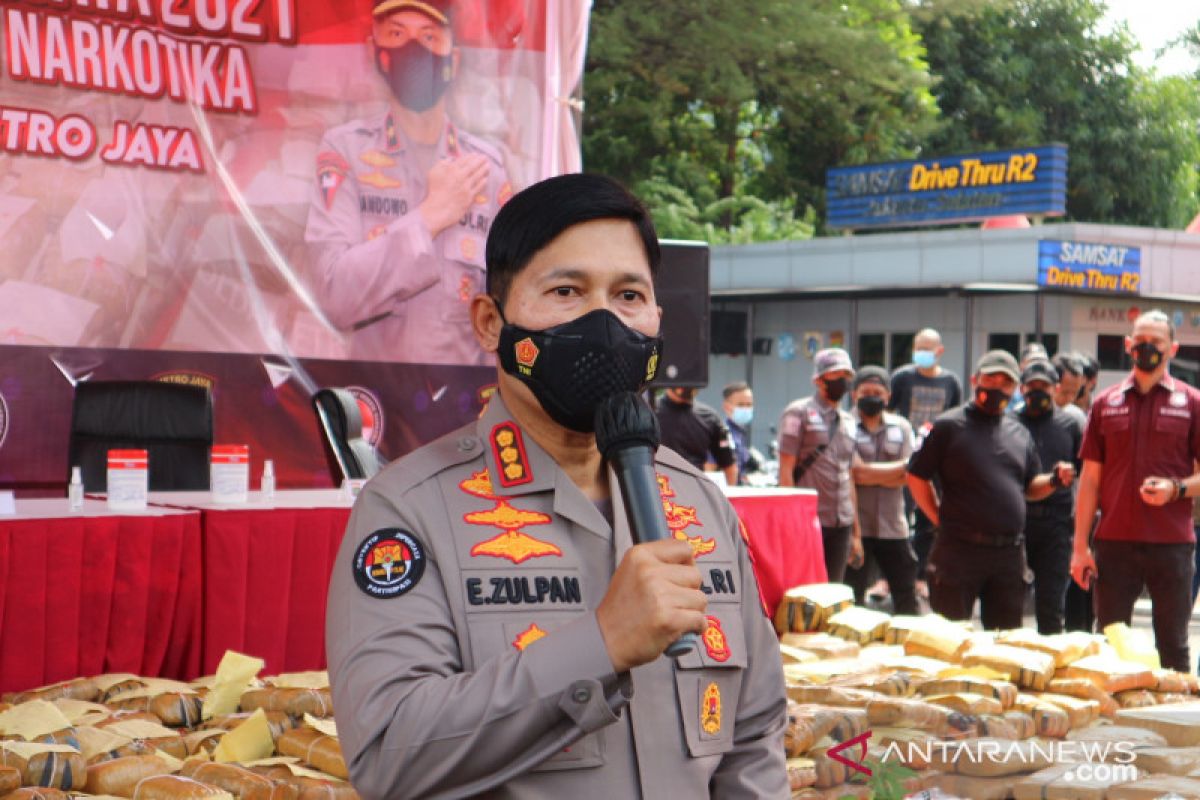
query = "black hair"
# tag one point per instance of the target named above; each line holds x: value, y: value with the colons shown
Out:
x: 1067, y: 364
x: 733, y: 388
x: 1091, y: 367
x: 536, y: 215
x: 872, y: 373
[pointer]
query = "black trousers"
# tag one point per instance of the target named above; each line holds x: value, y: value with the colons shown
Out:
x: 837, y: 549
x: 1165, y: 570
x: 1048, y: 553
x: 898, y: 563
x: 961, y: 572
x: 922, y: 541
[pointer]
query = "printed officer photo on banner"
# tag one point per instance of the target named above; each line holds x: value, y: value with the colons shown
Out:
x: 528, y: 647
x: 402, y: 202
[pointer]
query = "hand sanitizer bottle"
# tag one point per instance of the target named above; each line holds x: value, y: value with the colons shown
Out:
x: 267, y: 486
x: 75, y: 490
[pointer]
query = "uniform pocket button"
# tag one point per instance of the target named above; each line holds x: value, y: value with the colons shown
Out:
x: 466, y: 444
x: 581, y: 694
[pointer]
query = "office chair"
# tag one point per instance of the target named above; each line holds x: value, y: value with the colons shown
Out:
x: 348, y: 453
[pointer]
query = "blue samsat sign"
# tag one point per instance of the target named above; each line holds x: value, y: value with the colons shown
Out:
x: 951, y: 189
x: 1089, y: 267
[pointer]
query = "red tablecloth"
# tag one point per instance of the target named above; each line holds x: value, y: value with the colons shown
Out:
x: 82, y: 595
x: 785, y: 539
x: 266, y: 575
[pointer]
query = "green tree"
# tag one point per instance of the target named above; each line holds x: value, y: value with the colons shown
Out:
x: 1025, y: 72
x: 725, y: 114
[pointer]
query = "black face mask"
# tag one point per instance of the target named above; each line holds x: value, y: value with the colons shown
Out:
x: 835, y: 389
x: 571, y: 368
x: 1146, y: 357
x: 870, y: 406
x: 1038, y: 402
x: 991, y: 401
x: 418, y: 77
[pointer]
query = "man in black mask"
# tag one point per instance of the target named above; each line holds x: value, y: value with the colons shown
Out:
x: 696, y: 431
x: 492, y: 628
x: 1049, y: 523
x: 402, y: 203
x: 988, y: 468
x: 816, y: 451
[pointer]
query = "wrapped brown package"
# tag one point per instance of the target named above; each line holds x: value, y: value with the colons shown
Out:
x: 1048, y: 719
x: 808, y: 724
x: 808, y: 608
x: 802, y: 773
x: 937, y: 637
x: 120, y: 776
x: 898, y: 628
x: 309, y: 788
x: 892, y: 683
x: 828, y: 695
x: 1061, y: 782
x: 1155, y: 787
x: 1085, y: 689
x: 1135, y: 698
x: 795, y: 655
x: 10, y: 780
x: 1064, y: 648
x: 294, y: 702
x: 965, y: 786
x: 1179, y: 724
x: 1027, y: 668
x: 906, y: 745
x: 126, y: 716
x: 1110, y: 673
x: 828, y: 771
x: 973, y: 704
x: 989, y: 758
x: 856, y: 624
x: 1080, y: 712
x: 37, y: 793
x: 903, y: 712
x: 1168, y: 680
x: 77, y: 689
x: 176, y: 709
x: 54, y: 770
x: 844, y: 791
x: 322, y: 751
x: 1168, y: 760
x: 821, y: 644
x: 1126, y: 735
x: 177, y: 787
x: 277, y: 721
x: 239, y: 781
x: 1017, y: 726
x: 1005, y: 693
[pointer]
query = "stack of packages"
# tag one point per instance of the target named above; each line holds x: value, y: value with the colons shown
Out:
x: 218, y: 738
x: 983, y: 716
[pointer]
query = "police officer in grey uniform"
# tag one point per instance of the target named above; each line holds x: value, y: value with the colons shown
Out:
x: 884, y: 442
x: 402, y: 204
x: 816, y: 451
x: 492, y: 628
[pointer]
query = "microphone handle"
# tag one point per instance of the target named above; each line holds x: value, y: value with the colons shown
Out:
x: 643, y: 505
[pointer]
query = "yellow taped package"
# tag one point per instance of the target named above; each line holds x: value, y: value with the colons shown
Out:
x: 1168, y: 760
x: 802, y: 773
x: 1168, y: 680
x: 1126, y: 736
x: 860, y: 625
x: 1132, y: 645
x: 1065, y: 648
x: 989, y: 758
x: 828, y: 695
x: 1085, y: 689
x: 899, y: 627
x: 808, y: 608
x: 829, y: 771
x: 901, y: 712
x: 794, y: 655
x: 1111, y: 674
x: 966, y: 703
x: 1000, y: 691
x: 1026, y: 668
x: 965, y: 786
x: 1048, y: 719
x: 893, y: 683
x: 937, y: 637
x: 822, y: 671
x: 1136, y: 698
x: 1154, y: 787
x: 1009, y: 725
x: 1063, y: 782
x: 821, y: 644
x: 909, y: 746
x: 1080, y: 712
x: 1179, y: 724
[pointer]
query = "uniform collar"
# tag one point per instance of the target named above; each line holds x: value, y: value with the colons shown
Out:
x: 1130, y: 382
x: 396, y: 142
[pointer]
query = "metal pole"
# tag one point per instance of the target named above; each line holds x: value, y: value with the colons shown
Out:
x: 1039, y: 316
x: 852, y: 347
x: 968, y: 334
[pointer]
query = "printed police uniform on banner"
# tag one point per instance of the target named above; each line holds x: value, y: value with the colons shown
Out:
x: 377, y: 271
x: 509, y: 562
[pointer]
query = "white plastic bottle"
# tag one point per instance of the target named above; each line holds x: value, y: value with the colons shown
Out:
x: 267, y: 485
x: 75, y: 490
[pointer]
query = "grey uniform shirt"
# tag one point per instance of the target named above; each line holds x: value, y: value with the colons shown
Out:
x: 486, y: 673
x: 375, y: 269
x: 806, y: 426
x: 881, y: 508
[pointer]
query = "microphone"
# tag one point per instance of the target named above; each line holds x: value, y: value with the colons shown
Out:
x: 627, y: 436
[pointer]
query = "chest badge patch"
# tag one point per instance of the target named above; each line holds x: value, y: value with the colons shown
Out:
x: 710, y: 710
x: 512, y: 543
x: 379, y: 180
x: 331, y: 172
x: 528, y: 636
x: 479, y: 484
x: 714, y: 640
x: 374, y: 158
x: 509, y: 449
x: 388, y: 563
x: 680, y: 518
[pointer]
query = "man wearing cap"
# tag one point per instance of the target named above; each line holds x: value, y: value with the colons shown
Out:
x: 1139, y: 452
x: 884, y: 442
x: 816, y: 451
x: 402, y: 203
x: 988, y: 468
x: 1049, y: 522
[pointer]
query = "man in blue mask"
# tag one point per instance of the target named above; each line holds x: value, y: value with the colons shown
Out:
x: 403, y: 201
x: 738, y: 404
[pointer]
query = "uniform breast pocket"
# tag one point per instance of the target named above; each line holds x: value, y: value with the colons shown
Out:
x: 708, y: 683
x: 1172, y: 425
x: 1115, y: 427
x: 814, y: 437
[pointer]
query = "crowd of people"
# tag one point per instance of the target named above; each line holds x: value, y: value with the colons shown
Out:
x: 1030, y: 483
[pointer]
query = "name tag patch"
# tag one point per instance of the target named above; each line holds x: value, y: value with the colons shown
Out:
x: 1181, y: 413
x: 495, y: 592
x: 719, y: 582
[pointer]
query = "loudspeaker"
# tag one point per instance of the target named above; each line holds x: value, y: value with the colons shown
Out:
x: 682, y: 290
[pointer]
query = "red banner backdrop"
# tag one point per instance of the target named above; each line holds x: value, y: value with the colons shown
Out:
x: 240, y: 194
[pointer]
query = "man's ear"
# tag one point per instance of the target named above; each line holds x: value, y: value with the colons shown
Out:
x: 1174, y: 349
x: 486, y: 322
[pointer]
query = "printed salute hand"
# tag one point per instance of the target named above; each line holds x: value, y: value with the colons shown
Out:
x: 653, y: 599
x: 454, y: 183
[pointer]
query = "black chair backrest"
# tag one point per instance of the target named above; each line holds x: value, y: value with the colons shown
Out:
x: 172, y: 421
x: 349, y: 454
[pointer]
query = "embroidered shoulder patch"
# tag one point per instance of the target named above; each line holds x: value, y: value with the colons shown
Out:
x: 388, y: 563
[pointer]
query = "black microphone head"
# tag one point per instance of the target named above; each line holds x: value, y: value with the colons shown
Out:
x: 624, y: 420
